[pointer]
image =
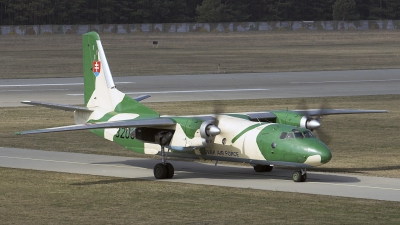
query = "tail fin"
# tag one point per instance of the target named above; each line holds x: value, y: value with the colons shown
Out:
x: 99, y: 86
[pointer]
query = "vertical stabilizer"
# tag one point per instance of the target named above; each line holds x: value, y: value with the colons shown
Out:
x: 99, y: 87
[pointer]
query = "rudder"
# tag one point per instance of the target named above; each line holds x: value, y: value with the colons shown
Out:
x: 99, y: 87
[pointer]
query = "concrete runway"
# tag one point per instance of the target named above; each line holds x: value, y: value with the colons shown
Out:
x: 197, y: 173
x: 211, y: 86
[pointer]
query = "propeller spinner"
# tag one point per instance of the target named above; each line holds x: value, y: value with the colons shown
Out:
x: 312, y: 123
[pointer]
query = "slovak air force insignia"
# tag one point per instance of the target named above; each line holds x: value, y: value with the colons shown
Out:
x: 96, y: 68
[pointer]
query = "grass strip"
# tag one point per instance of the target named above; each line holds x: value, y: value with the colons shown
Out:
x: 38, y: 197
x: 203, y: 53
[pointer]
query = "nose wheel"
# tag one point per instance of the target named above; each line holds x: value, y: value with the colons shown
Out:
x: 300, y: 176
x: 163, y: 170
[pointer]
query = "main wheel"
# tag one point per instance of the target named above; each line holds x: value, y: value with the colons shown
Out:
x: 297, y: 177
x: 160, y: 171
x: 170, y: 170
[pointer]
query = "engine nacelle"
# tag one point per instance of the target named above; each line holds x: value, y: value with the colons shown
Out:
x: 208, y: 130
x: 194, y: 132
x: 296, y: 119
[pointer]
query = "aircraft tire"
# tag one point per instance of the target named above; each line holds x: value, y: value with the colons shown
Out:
x: 170, y: 170
x: 160, y: 171
x: 297, y: 177
x: 304, y: 177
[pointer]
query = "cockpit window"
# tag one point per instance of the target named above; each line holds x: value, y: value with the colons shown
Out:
x: 298, y: 135
x: 308, y: 134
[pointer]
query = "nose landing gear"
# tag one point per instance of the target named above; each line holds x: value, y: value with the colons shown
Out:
x: 300, y: 176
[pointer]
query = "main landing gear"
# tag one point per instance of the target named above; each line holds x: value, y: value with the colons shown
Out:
x: 163, y: 170
x: 300, y: 176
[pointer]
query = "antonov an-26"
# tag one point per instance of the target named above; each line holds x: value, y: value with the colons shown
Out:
x: 262, y: 139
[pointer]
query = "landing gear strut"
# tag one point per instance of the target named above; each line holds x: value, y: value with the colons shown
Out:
x: 300, y: 176
x: 163, y: 170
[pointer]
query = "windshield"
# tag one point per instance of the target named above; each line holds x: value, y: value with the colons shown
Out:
x: 297, y: 134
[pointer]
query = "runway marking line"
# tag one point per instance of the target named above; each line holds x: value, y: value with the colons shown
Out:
x: 339, y: 81
x: 69, y: 162
x: 359, y: 186
x: 64, y: 84
x: 191, y: 91
x: 33, y: 90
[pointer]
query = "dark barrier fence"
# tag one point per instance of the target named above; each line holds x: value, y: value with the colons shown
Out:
x: 200, y: 27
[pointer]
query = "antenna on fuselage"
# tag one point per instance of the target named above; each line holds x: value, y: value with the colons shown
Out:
x: 258, y: 121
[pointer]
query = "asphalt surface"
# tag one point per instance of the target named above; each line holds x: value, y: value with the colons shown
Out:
x: 211, y: 86
x: 198, y: 173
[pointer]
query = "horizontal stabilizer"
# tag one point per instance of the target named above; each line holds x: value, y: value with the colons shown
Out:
x: 142, y: 97
x: 58, y: 106
x: 112, y: 124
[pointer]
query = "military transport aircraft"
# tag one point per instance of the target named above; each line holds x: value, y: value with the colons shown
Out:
x: 262, y: 139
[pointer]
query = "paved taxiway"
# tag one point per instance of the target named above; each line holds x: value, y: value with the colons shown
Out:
x: 211, y: 86
x: 197, y: 173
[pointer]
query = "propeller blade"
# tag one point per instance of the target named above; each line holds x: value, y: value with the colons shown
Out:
x: 314, y: 123
x: 321, y: 133
x: 323, y: 136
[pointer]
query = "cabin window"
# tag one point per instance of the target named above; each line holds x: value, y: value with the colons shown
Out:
x: 283, y: 135
x: 290, y: 135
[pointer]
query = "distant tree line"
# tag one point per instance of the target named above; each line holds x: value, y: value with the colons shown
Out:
x: 36, y: 12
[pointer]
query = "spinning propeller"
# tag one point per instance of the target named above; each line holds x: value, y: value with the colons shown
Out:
x: 314, y: 123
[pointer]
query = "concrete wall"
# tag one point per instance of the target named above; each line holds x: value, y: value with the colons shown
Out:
x: 201, y: 27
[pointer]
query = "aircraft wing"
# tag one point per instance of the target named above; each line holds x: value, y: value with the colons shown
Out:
x: 315, y: 112
x: 110, y: 124
x: 311, y: 112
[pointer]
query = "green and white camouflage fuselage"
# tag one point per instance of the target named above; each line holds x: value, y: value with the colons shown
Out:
x: 241, y: 140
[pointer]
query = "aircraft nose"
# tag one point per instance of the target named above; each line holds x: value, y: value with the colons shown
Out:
x: 325, y: 154
x: 318, y: 154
